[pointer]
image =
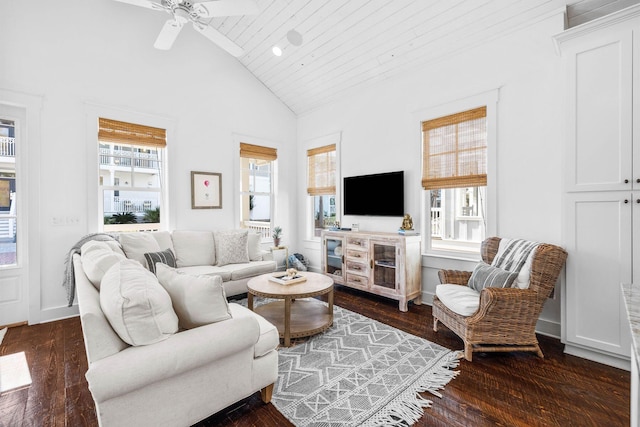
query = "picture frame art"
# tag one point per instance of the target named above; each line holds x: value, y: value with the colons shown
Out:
x: 206, y: 190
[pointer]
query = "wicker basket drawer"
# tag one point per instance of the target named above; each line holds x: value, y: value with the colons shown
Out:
x: 356, y: 267
x: 357, y: 281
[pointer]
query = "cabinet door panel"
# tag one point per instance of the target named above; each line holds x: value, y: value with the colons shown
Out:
x: 600, y: 111
x: 599, y: 247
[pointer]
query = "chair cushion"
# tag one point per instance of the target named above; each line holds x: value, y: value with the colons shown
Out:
x: 256, y: 268
x: 207, y: 270
x: 193, y: 248
x: 232, y: 247
x: 197, y: 300
x: 164, y: 257
x: 487, y: 276
x: 138, y: 308
x: 460, y: 299
x: 97, y: 258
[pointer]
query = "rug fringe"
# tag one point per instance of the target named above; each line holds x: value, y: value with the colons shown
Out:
x: 408, y: 407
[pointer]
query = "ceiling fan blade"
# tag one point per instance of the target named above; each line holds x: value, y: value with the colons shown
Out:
x: 211, y: 9
x: 168, y: 35
x: 219, y: 39
x: 149, y: 4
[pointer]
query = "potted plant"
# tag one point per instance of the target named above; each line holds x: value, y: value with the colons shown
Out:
x: 277, y: 233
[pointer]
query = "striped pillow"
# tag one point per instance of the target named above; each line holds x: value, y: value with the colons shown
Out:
x: 488, y: 276
x: 165, y: 257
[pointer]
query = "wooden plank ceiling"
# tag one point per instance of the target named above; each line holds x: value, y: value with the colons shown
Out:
x: 348, y: 44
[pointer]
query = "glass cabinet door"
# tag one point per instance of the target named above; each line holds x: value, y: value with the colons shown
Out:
x: 333, y: 259
x: 384, y: 265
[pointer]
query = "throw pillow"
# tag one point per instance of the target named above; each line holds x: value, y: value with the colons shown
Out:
x: 488, y: 276
x: 98, y: 257
x: 135, y: 245
x: 138, y: 308
x: 197, y: 300
x: 193, y: 248
x: 164, y: 257
x: 255, y: 251
x: 232, y: 246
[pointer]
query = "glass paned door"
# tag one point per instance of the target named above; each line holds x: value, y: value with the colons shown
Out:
x: 8, y: 194
x: 14, y: 290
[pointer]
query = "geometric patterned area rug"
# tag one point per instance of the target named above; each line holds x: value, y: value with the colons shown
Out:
x: 360, y: 372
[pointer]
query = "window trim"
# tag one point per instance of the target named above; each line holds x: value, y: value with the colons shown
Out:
x: 93, y: 112
x: 334, y: 138
x: 490, y: 99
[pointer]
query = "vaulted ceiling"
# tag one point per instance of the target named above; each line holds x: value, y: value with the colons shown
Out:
x: 348, y: 44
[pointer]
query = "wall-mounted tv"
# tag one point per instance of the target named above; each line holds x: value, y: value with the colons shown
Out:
x: 379, y: 194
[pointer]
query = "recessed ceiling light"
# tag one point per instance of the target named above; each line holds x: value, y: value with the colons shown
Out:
x: 276, y: 51
x: 294, y: 37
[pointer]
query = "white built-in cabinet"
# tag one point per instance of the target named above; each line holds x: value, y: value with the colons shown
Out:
x: 384, y: 264
x: 602, y: 184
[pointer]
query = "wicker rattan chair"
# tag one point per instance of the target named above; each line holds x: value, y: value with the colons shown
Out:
x: 506, y: 319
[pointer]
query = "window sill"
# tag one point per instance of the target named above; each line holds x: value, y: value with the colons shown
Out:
x: 460, y: 256
x: 468, y: 218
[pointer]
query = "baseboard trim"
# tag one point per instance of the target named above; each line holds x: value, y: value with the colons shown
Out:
x: 607, y: 359
x: 58, y: 313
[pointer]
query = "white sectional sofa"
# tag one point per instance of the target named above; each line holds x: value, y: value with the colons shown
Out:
x: 147, y: 370
x: 206, y: 252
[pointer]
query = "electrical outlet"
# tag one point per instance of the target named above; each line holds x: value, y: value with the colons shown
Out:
x: 73, y: 220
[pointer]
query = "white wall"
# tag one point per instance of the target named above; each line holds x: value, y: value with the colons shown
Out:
x: 380, y: 134
x: 84, y: 53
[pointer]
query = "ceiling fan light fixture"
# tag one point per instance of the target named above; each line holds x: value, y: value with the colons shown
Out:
x: 294, y: 37
x: 276, y: 51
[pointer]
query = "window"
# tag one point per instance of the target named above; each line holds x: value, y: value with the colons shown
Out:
x: 455, y: 177
x: 131, y: 161
x: 321, y: 186
x: 256, y: 187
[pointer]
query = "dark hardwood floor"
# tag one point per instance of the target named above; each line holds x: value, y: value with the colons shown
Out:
x: 516, y: 389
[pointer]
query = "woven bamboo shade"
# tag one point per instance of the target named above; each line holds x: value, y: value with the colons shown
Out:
x: 322, y: 170
x: 455, y: 150
x: 258, y: 152
x: 118, y: 132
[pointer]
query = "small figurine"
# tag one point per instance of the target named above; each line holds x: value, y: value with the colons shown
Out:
x: 407, y: 223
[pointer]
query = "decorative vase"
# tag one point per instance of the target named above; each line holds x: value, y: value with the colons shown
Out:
x: 276, y: 241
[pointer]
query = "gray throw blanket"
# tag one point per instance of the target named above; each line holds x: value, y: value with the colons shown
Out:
x: 514, y: 254
x: 69, y: 278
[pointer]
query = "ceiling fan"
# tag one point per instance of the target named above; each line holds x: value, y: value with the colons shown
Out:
x: 196, y: 11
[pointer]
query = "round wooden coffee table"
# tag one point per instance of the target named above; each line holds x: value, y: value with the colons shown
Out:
x: 293, y: 317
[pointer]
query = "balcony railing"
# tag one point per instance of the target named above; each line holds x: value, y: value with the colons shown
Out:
x: 114, y: 157
x: 7, y: 146
x: 7, y: 226
x: 263, y: 228
x: 125, y: 205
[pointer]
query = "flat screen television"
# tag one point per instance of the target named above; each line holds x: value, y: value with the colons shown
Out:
x: 380, y: 194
